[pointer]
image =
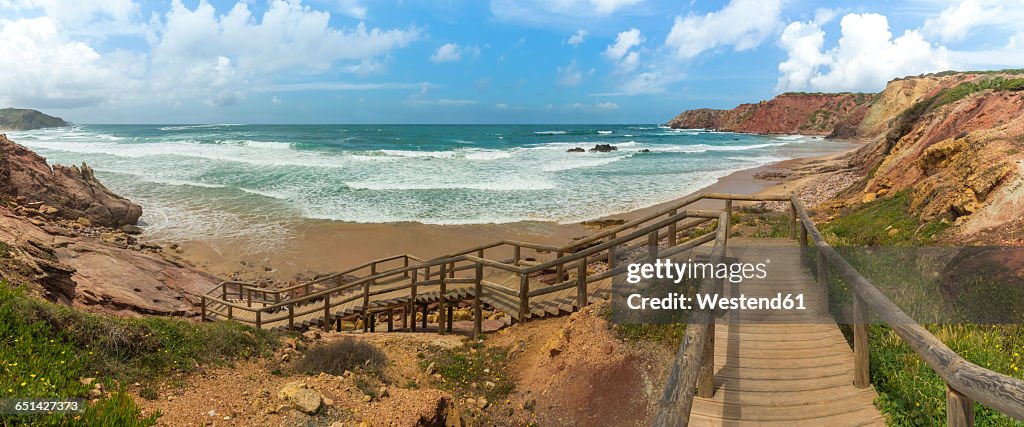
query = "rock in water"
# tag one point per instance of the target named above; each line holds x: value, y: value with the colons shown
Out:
x: 73, y: 191
x: 576, y: 150
x: 604, y: 148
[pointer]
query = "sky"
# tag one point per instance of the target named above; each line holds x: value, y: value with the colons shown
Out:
x: 473, y: 61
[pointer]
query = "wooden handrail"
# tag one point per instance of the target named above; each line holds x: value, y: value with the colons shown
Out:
x: 964, y: 379
x: 696, y: 353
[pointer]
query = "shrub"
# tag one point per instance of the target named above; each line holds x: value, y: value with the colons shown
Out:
x: 346, y: 354
x: 460, y: 369
x: 46, y: 348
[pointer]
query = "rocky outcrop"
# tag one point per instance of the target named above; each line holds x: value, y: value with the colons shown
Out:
x: 25, y: 119
x: 101, y: 273
x: 788, y: 113
x: 66, y: 192
x: 953, y: 140
x: 68, y: 239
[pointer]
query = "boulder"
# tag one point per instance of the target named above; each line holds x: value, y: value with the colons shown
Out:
x: 73, y: 191
x: 604, y: 148
x: 303, y: 398
x: 576, y: 150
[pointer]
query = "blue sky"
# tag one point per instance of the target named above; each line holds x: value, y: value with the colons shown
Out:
x: 472, y: 61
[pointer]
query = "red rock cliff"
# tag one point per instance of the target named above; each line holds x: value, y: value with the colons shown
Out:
x: 789, y: 113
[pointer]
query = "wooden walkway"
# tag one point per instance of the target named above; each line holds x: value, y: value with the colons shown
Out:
x: 783, y: 368
x: 554, y: 303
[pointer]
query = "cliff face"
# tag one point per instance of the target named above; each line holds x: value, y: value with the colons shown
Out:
x: 955, y: 140
x: 789, y: 113
x: 24, y: 119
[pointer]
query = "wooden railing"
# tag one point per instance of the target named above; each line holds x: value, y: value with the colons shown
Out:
x: 669, y: 230
x: 966, y: 382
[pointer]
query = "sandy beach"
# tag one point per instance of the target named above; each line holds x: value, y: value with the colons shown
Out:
x: 321, y: 247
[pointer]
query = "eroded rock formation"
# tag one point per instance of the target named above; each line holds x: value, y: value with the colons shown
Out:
x: 69, y: 192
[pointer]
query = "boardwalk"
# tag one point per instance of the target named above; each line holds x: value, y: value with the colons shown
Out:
x: 784, y: 374
x: 783, y: 367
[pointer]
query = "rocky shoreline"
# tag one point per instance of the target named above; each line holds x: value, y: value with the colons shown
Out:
x: 69, y: 239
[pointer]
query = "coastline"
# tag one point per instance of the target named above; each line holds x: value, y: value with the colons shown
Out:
x: 320, y: 247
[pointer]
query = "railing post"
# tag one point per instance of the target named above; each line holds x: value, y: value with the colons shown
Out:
x: 424, y: 319
x: 224, y: 292
x: 792, y: 221
x: 291, y: 316
x: 560, y: 269
x: 203, y: 312
x: 611, y: 252
x: 516, y: 254
x: 861, y: 343
x: 823, y: 282
x: 581, y: 283
x: 706, y: 372
x: 248, y: 300
x: 450, y: 316
x: 412, y: 298
x: 259, y: 319
x: 366, y: 306
x: 728, y: 219
x: 391, y: 320
x: 231, y: 315
x: 803, y: 243
x: 524, y: 297
x: 405, y: 264
x: 959, y: 409
x: 477, y: 308
x: 652, y: 247
x: 672, y: 230
x: 327, y: 312
x: 441, y: 303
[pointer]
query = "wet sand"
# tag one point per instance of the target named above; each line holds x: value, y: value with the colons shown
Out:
x: 320, y: 247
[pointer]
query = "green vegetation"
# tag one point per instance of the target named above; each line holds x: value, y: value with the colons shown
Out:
x: 24, y: 119
x: 478, y: 370
x: 883, y: 222
x: 754, y: 222
x: 964, y: 90
x: 910, y: 392
x: 344, y: 355
x: 45, y: 349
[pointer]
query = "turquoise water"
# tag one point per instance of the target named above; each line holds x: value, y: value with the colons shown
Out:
x: 234, y: 180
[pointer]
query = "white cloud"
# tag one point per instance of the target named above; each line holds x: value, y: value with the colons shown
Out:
x: 621, y: 51
x: 742, y: 24
x: 95, y: 18
x: 47, y: 70
x: 571, y: 75
x: 275, y: 100
x: 625, y: 41
x: 865, y: 58
x: 578, y: 38
x: 556, y: 12
x: 957, y: 21
x: 449, y: 52
x: 352, y: 8
x: 501, y: 106
x: 444, y: 102
x: 195, y: 53
x: 341, y: 86
x: 598, y: 107
x: 452, y: 52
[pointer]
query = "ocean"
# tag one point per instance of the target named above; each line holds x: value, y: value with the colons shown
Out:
x: 223, y: 180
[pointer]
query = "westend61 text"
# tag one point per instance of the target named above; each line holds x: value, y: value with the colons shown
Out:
x: 676, y: 301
